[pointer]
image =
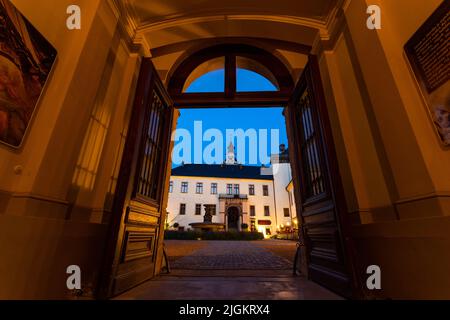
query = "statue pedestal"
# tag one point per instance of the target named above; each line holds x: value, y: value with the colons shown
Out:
x: 207, y: 224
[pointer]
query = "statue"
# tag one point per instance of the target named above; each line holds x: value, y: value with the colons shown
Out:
x: 207, y: 218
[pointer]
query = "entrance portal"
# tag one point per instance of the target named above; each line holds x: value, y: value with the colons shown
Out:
x: 136, y: 245
x: 233, y: 219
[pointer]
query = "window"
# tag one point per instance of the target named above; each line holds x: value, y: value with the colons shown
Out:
x: 266, y: 211
x: 251, y: 76
x: 184, y: 187
x: 150, y: 175
x: 261, y: 78
x: 227, y: 67
x: 265, y: 190
x: 229, y: 189
x: 182, y: 209
x: 236, y: 189
x: 170, y: 186
x: 252, y: 211
x: 213, y: 188
x: 199, y: 187
x: 207, y: 77
x: 213, y: 209
x: 251, y: 189
x: 314, y: 181
x: 198, y: 209
x: 252, y: 225
x: 286, y: 212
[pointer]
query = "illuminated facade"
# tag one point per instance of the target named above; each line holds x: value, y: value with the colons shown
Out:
x: 240, y: 195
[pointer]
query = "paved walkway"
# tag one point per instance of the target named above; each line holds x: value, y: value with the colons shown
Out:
x: 230, y: 255
x: 229, y: 270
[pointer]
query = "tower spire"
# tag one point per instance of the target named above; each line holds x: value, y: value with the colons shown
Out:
x: 231, y: 158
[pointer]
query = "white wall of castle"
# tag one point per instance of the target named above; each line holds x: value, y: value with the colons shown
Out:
x: 277, y: 199
x: 282, y: 175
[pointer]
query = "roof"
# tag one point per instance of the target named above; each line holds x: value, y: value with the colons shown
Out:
x: 221, y: 171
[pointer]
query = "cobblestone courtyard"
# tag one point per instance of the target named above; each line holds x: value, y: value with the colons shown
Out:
x: 230, y: 255
x: 229, y: 270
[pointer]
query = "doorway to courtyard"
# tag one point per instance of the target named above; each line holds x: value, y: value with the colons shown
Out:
x: 231, y: 171
x: 232, y: 199
x: 316, y: 186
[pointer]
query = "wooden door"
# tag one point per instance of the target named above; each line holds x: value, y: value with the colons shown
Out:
x: 319, y: 192
x: 138, y: 209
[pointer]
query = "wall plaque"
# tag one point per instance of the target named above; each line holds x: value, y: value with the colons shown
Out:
x: 428, y: 52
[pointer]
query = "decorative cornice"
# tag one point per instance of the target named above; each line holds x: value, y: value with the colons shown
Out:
x: 141, y: 45
x: 183, y: 20
x: 335, y: 24
x: 317, y: 45
x: 136, y: 43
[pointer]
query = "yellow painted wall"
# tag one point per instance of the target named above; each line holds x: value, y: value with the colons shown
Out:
x: 415, y: 165
x: 395, y: 171
x: 398, y: 29
x: 49, y: 17
x: 49, y: 219
x: 359, y: 159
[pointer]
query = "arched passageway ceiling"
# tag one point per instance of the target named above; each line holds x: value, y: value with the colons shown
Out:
x: 170, y: 28
x: 165, y: 37
x: 167, y: 22
x: 161, y: 10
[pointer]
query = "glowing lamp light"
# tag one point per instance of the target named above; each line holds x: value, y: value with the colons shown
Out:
x: 263, y: 231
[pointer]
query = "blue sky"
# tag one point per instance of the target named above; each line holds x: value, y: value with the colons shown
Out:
x: 233, y: 118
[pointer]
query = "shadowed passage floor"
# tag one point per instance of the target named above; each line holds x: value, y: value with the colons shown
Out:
x: 229, y: 270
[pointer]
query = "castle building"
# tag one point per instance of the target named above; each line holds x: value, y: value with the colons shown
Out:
x: 239, y: 197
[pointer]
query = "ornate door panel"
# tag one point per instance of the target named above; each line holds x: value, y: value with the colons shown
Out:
x: 137, y: 217
x: 320, y: 199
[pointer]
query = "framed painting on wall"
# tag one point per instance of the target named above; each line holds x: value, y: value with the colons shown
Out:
x: 26, y: 59
x: 428, y: 52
